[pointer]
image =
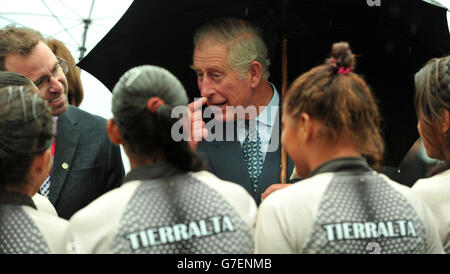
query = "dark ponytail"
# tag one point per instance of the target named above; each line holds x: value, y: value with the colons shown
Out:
x: 142, y: 105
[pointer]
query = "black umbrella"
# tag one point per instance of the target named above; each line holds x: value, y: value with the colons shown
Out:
x: 393, y: 40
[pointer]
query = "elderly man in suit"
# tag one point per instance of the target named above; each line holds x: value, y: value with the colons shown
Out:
x: 85, y: 164
x: 231, y: 63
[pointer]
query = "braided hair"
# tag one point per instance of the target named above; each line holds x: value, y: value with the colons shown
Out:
x: 142, y: 104
x: 333, y: 94
x: 432, y: 95
x: 25, y: 130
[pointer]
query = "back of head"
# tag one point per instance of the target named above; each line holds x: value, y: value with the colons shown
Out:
x: 25, y: 130
x: 432, y: 96
x: 244, y: 40
x: 147, y: 131
x: 333, y: 94
x: 17, y: 40
x: 75, y: 92
x: 8, y: 78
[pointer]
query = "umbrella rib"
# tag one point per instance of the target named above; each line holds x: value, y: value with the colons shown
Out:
x: 72, y: 10
x: 57, y: 19
x: 96, y: 25
x: 87, y: 22
x: 100, y: 25
x: 35, y: 14
x: 71, y: 27
x: 11, y: 21
x: 105, y: 17
x: 92, y: 8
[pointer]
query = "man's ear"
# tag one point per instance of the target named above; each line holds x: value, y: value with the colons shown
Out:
x: 113, y: 132
x: 255, y: 73
x: 40, y: 168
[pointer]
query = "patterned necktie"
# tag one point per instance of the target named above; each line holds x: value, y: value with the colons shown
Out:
x: 253, y: 157
x: 45, y: 187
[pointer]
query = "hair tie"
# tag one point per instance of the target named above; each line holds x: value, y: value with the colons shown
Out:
x: 341, y: 69
x: 154, y: 103
x: 344, y: 70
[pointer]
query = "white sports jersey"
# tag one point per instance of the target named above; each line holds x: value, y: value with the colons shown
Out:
x: 43, y: 204
x: 161, y: 210
x: 346, y: 207
x: 435, y: 191
x: 26, y: 230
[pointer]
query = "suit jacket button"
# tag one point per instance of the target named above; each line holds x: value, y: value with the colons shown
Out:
x: 65, y: 165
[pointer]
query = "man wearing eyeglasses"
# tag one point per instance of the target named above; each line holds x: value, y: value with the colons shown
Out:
x: 86, y: 164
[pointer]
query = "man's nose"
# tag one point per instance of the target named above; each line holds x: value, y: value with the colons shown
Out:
x: 54, y: 85
x: 206, y: 87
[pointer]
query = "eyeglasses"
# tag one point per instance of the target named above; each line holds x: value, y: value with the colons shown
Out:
x: 46, y: 79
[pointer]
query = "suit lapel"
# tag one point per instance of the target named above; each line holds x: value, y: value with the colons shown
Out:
x: 272, y: 160
x: 230, y: 164
x: 227, y: 162
x: 67, y: 138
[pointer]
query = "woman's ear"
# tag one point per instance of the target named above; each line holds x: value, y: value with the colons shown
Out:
x: 305, y: 127
x: 42, y: 162
x: 113, y: 132
x: 39, y: 169
x: 445, y: 126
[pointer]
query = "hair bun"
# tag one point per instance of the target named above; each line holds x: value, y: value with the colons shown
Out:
x: 342, y: 58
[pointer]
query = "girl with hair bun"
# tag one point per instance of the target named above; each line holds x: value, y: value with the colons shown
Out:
x: 25, y: 159
x: 331, y: 132
x: 7, y: 79
x: 432, y: 101
x: 168, y: 202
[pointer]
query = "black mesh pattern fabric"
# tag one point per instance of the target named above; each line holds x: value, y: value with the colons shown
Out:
x: 180, y: 214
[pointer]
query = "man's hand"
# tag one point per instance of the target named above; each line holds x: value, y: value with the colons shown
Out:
x: 197, y: 126
x: 272, y: 189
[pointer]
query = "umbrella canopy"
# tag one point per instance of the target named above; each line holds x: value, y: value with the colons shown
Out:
x: 393, y: 40
x: 79, y: 24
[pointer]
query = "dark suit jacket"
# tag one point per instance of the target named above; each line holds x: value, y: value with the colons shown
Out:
x: 226, y: 161
x: 86, y: 163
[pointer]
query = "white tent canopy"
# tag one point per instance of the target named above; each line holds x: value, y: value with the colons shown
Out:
x: 66, y: 20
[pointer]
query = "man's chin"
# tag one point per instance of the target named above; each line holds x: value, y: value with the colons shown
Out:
x: 56, y: 111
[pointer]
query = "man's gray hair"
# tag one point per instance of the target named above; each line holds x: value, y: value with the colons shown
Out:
x: 245, y: 43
